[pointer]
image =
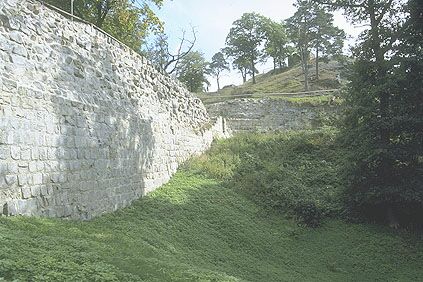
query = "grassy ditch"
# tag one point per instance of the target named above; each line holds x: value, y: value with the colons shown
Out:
x: 231, y: 214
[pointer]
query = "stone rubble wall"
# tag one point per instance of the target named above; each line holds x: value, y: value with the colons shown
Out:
x: 86, y: 124
x: 268, y: 114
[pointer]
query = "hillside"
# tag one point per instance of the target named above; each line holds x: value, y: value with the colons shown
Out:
x: 290, y: 80
x: 199, y: 228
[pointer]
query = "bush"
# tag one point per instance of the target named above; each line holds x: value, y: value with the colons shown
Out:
x: 383, y: 129
x: 309, y: 213
x: 293, y: 172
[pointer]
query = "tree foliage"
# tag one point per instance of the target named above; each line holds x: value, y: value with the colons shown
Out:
x: 218, y: 65
x: 192, y: 71
x: 130, y: 21
x: 384, y: 118
x: 311, y: 27
x: 328, y: 40
x: 244, y: 43
x: 276, y: 42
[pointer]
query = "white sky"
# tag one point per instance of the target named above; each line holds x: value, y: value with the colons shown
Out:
x: 213, y: 19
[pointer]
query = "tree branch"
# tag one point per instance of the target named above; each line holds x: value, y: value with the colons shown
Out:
x: 341, y: 4
x: 174, y: 58
x: 384, y: 10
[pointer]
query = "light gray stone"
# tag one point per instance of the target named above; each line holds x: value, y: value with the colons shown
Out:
x: 20, y: 50
x: 73, y: 147
x: 4, y: 152
x: 11, y: 179
x: 15, y: 152
x: 16, y: 36
x: 25, y: 154
x: 37, y: 179
x: 26, y: 192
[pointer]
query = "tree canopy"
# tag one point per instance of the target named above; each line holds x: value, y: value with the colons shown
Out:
x: 192, y: 71
x: 384, y: 117
x: 311, y: 27
x: 130, y: 21
x: 276, y: 42
x: 218, y: 65
x: 244, y: 42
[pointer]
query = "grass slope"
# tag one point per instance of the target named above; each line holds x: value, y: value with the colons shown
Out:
x: 197, y: 228
x: 290, y: 80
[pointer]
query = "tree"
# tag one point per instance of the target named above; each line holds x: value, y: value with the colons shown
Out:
x: 299, y: 27
x: 157, y: 51
x: 276, y: 41
x: 240, y: 62
x: 384, y: 114
x: 123, y: 19
x: 244, y: 42
x: 168, y: 61
x: 328, y: 39
x: 192, y: 71
x: 217, y: 66
x: 311, y: 27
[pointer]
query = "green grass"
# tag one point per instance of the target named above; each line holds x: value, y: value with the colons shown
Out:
x: 290, y: 80
x: 294, y: 172
x: 316, y: 101
x: 199, y: 228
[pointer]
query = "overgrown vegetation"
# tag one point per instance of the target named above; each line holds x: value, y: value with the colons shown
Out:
x: 216, y: 221
x: 296, y: 173
x: 324, y: 100
x: 384, y: 118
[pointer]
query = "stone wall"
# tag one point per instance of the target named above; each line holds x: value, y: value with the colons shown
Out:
x: 86, y: 124
x: 269, y: 114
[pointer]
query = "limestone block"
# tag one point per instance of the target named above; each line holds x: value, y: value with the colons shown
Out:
x: 4, y: 152
x: 19, y: 61
x: 11, y: 179
x: 26, y: 192
x: 20, y: 50
x: 22, y: 179
x: 16, y: 37
x: 15, y: 152
x: 37, y: 179
x: 89, y: 124
x: 25, y: 154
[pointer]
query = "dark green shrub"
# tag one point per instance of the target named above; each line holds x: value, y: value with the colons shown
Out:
x: 308, y: 213
x: 292, y: 172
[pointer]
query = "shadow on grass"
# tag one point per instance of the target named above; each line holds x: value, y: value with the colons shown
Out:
x: 194, y: 228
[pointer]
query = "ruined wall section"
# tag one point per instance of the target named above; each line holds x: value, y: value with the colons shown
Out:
x: 270, y: 114
x: 86, y: 124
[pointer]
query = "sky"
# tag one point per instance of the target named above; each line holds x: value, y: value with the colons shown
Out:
x: 213, y: 19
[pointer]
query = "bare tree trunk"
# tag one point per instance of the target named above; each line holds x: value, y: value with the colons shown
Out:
x: 306, y: 77
x: 317, y: 63
x: 103, y: 8
x: 244, y: 74
x: 218, y: 84
x: 304, y: 63
x: 253, y: 70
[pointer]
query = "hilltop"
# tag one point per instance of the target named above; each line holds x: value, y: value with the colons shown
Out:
x: 288, y: 80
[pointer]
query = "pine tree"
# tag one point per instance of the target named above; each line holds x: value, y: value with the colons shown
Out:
x: 311, y: 27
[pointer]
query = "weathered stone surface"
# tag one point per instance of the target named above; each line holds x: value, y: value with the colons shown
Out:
x: 86, y: 125
x: 268, y: 114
